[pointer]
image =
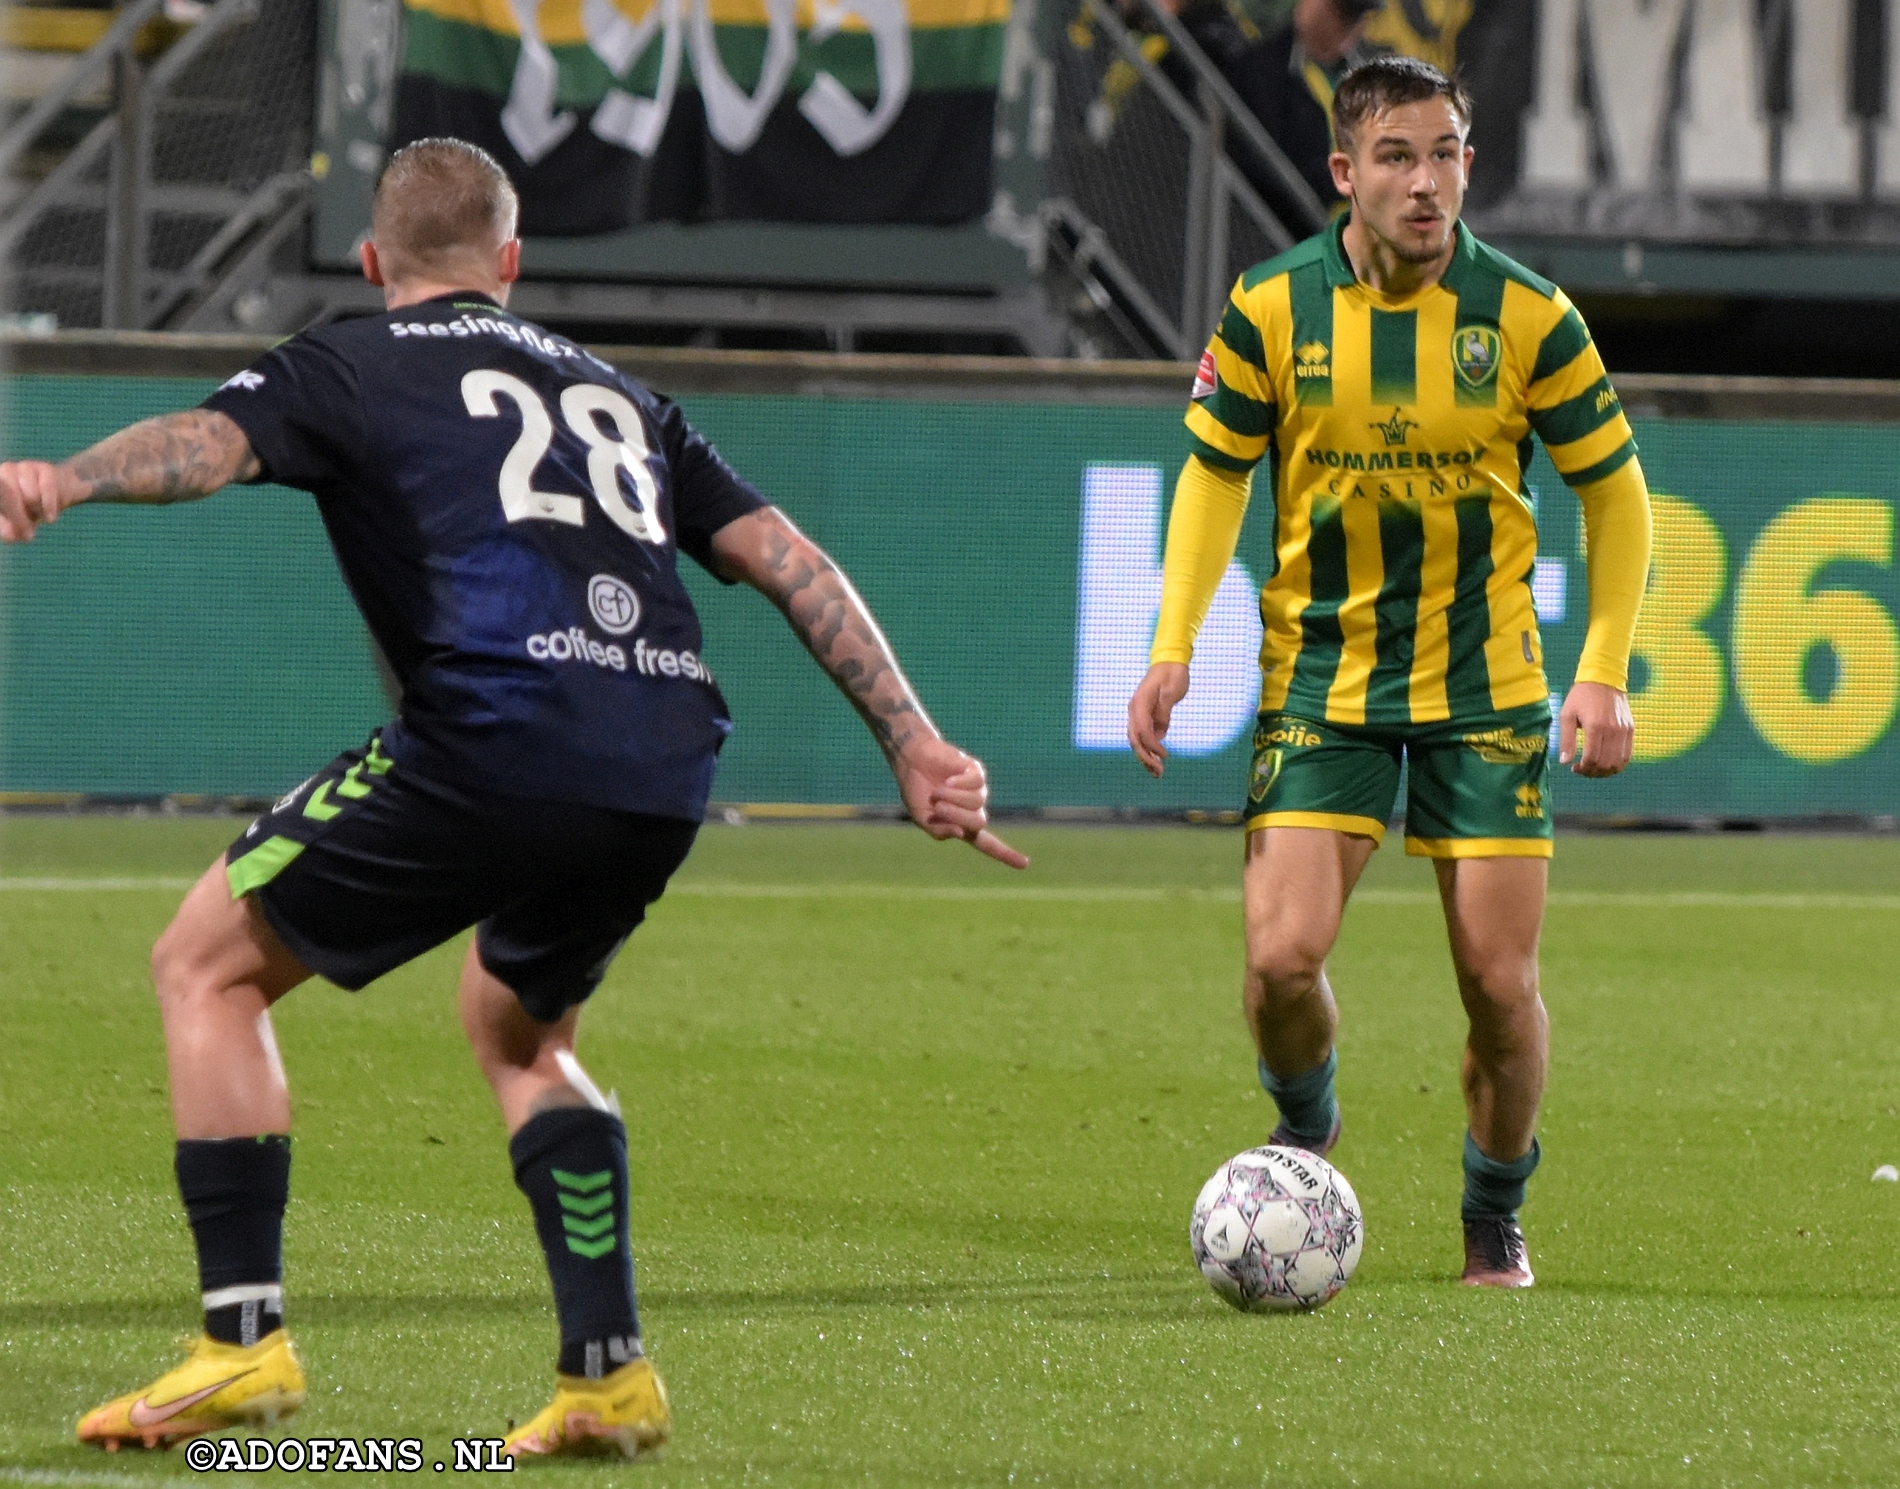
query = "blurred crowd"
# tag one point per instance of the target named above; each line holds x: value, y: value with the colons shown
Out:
x: 1283, y: 59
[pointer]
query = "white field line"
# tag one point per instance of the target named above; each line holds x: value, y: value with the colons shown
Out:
x: 1132, y: 894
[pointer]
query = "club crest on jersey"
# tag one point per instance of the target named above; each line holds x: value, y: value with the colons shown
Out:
x: 1476, y: 352
x: 1205, y: 377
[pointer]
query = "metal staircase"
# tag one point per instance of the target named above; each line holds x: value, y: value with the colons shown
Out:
x: 202, y: 144
x: 162, y: 181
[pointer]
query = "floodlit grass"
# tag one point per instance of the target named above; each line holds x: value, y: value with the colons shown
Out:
x: 912, y: 1169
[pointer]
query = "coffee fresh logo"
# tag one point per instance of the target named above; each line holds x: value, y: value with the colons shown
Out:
x: 613, y: 604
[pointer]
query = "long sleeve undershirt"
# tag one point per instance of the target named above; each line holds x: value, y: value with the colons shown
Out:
x: 1617, y: 535
x: 1204, y: 529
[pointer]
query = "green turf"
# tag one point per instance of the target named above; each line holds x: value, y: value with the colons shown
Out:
x: 913, y: 1166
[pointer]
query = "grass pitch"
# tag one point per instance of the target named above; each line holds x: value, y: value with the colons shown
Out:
x: 914, y: 1144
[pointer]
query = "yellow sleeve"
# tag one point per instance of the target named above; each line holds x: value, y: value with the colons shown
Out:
x: 1616, y: 533
x: 1203, y: 529
x: 1572, y: 405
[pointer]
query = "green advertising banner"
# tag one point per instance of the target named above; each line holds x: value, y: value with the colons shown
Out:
x: 1012, y: 552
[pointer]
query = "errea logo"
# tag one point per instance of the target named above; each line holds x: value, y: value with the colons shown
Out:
x: 249, y: 381
x: 1312, y: 360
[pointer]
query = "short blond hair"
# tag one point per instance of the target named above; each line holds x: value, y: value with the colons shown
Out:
x: 440, y: 203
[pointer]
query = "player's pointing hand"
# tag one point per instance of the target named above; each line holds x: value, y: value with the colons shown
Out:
x: 947, y: 794
x: 30, y: 493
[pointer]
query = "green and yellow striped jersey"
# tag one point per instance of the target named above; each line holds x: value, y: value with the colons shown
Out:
x: 1397, y: 433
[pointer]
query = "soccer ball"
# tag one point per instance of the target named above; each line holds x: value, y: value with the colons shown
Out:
x: 1276, y: 1229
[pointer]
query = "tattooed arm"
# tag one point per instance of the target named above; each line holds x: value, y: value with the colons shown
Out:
x: 945, y: 790
x: 175, y: 457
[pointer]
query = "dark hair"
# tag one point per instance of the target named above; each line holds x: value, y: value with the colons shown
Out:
x: 439, y: 198
x: 1354, y: 11
x: 1387, y: 83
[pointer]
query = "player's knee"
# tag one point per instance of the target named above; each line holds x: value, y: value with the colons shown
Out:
x: 1283, y: 966
x: 179, y: 964
x: 1500, y: 985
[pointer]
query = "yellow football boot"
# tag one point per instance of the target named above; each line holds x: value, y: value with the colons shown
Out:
x: 624, y: 1413
x: 218, y: 1386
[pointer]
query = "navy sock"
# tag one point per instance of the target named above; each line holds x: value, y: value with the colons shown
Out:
x: 572, y: 1165
x: 235, y: 1190
x: 1307, y: 1104
x: 1493, y: 1188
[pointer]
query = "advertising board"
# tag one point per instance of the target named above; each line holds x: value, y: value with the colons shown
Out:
x: 1012, y: 551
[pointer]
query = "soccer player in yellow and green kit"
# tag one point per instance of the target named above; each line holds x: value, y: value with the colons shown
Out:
x: 1391, y: 372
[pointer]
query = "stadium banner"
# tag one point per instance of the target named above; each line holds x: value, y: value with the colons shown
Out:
x: 1012, y: 551
x: 608, y: 113
x: 1675, y: 121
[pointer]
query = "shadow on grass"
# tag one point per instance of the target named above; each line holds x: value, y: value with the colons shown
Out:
x: 380, y: 1309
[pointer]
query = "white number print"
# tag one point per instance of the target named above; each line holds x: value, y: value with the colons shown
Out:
x: 608, y: 453
x: 519, y: 500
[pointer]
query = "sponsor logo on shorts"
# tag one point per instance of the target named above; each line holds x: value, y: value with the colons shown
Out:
x: 1505, y: 746
x: 613, y: 604
x: 291, y: 795
x: 1294, y: 733
x: 1530, y: 801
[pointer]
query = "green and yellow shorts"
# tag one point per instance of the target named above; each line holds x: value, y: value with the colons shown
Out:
x: 1476, y: 787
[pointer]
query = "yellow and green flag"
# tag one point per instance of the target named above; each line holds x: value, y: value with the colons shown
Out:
x: 611, y: 112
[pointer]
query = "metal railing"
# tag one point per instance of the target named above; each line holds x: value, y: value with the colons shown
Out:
x: 1169, y: 295
x: 134, y: 293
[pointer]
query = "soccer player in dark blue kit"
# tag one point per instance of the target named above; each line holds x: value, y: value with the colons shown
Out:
x: 507, y: 511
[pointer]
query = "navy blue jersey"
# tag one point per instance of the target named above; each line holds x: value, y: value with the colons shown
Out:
x: 508, y: 512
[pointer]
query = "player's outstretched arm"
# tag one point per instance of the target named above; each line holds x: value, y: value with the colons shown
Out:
x: 175, y: 457
x: 945, y: 791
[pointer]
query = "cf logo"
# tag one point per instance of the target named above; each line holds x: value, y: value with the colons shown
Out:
x: 614, y: 605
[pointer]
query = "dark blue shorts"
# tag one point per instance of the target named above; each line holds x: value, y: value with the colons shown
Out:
x: 366, y: 866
